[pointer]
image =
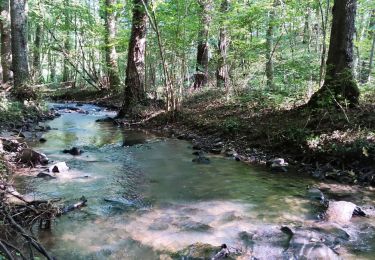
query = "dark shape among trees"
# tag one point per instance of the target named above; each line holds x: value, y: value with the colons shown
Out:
x: 135, y: 71
x: 339, y: 82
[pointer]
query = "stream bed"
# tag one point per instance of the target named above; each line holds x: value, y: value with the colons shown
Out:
x: 148, y: 200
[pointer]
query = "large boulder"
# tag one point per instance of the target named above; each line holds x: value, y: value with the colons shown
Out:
x: 32, y: 158
x: 340, y: 211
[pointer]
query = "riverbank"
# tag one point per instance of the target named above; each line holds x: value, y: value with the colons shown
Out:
x: 335, y: 144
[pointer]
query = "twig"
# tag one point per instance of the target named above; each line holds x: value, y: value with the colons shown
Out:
x: 5, y: 250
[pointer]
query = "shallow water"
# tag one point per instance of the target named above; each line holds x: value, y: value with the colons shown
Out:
x: 149, y: 198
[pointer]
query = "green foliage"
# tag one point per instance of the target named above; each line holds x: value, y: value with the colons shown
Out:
x: 231, y: 125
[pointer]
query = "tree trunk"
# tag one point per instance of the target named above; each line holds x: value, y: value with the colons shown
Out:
x: 270, y: 47
x: 306, y: 29
x: 201, y: 75
x: 110, y: 49
x: 371, y: 62
x: 19, y: 46
x: 135, y: 71
x: 222, y: 73
x: 67, y: 46
x: 37, y: 51
x: 324, y: 44
x: 366, y: 73
x: 6, y: 47
x: 339, y: 82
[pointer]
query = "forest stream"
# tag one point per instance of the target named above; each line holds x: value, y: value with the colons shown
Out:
x: 148, y: 200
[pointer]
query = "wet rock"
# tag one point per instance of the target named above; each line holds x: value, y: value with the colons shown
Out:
x: 365, y: 211
x: 340, y: 211
x: 278, y: 165
x: 59, y: 168
x: 316, y: 194
x: 32, y: 158
x: 193, y: 226
x: 74, y: 151
x: 198, y: 251
x: 42, y: 140
x: 46, y: 175
x: 106, y: 119
x: 216, y: 150
x: 12, y: 145
x: 223, y: 253
x: 308, y: 244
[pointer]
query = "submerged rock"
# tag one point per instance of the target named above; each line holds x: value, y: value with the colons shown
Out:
x: 201, y: 160
x: 47, y: 175
x: 32, y: 157
x: 198, y: 251
x: 340, y: 211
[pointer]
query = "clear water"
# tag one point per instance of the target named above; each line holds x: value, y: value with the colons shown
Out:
x: 150, y: 198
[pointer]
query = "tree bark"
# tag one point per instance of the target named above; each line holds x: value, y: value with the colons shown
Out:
x: 201, y: 75
x: 135, y: 71
x: 36, y: 55
x: 324, y: 45
x: 6, y: 47
x: 110, y: 49
x: 67, y: 45
x: 222, y: 73
x: 339, y: 82
x: 270, y: 47
x: 20, y: 64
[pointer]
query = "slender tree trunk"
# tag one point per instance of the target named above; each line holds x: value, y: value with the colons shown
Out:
x: 110, y: 49
x: 371, y: 62
x: 270, y: 46
x: 367, y: 69
x: 339, y: 80
x: 222, y: 73
x: 19, y: 46
x: 37, y: 52
x: 306, y: 29
x: 201, y: 75
x: 6, y: 47
x: 67, y: 46
x: 135, y: 71
x: 324, y: 44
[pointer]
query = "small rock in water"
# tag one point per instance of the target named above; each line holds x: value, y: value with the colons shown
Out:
x: 59, y: 168
x: 42, y: 140
x: 74, y: 151
x: 50, y: 175
x: 223, y: 253
x: 340, y: 211
x: 278, y: 165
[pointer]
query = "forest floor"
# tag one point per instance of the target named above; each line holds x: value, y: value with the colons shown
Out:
x: 335, y: 144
